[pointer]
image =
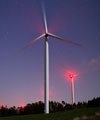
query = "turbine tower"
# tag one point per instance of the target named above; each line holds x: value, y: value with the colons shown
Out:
x: 71, y: 76
x: 72, y: 87
x: 46, y: 59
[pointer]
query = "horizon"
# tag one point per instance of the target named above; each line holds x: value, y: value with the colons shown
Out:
x: 23, y: 105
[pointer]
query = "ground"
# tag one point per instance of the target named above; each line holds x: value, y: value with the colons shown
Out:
x: 76, y: 114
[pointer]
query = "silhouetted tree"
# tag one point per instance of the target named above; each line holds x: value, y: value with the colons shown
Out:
x: 12, y: 111
x: 94, y: 103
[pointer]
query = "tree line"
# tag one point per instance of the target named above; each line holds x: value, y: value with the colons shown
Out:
x: 38, y: 107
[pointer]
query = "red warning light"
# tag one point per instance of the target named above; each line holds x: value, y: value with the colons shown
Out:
x: 71, y: 75
x: 0, y: 107
x: 22, y: 107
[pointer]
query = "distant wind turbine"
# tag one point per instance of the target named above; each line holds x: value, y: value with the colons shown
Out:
x: 71, y: 76
x: 46, y: 59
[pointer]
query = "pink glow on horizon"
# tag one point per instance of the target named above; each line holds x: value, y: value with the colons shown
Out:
x: 50, y: 95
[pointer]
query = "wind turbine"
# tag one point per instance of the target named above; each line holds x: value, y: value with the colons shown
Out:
x: 71, y: 76
x: 46, y: 59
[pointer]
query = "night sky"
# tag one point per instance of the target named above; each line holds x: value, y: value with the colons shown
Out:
x: 22, y: 74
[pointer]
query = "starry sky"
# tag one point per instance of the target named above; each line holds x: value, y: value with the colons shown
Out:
x: 22, y: 74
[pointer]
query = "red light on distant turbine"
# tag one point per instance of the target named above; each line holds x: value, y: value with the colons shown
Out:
x: 71, y: 76
x: 0, y: 107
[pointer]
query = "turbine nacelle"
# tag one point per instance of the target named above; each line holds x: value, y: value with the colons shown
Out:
x: 46, y: 35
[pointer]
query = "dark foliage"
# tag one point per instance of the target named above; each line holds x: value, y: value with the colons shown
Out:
x: 38, y: 107
x: 94, y: 103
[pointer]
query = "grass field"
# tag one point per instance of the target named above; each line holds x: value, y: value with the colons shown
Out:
x: 66, y: 115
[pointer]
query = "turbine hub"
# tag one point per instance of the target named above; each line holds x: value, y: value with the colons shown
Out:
x: 46, y: 35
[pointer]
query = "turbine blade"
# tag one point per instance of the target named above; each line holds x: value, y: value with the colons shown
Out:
x: 44, y: 17
x: 59, y: 38
x: 33, y: 42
